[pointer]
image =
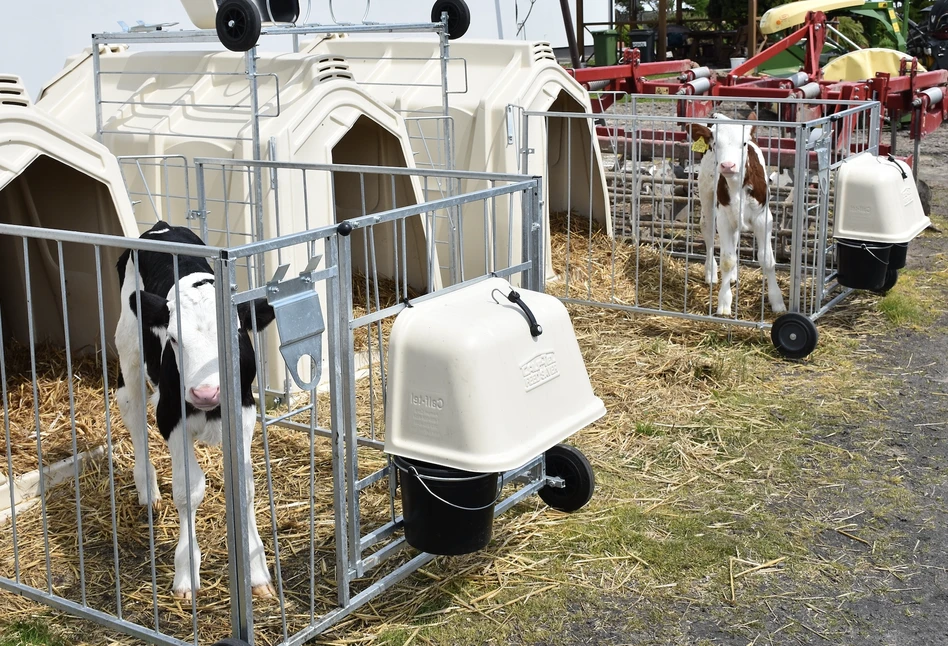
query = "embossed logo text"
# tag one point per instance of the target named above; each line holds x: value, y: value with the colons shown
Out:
x: 539, y: 370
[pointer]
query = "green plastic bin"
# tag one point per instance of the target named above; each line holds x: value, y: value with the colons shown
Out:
x: 606, y: 46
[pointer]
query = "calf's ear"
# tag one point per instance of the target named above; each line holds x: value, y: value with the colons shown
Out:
x: 699, y: 131
x: 752, y: 133
x: 155, y: 313
x: 261, y: 308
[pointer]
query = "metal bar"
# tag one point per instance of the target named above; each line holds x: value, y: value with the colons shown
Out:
x: 181, y: 104
x: 210, y: 35
x: 108, y: 434
x: 187, y: 452
x: 373, y: 219
x: 796, y: 241
x: 36, y: 414
x: 760, y: 325
x: 370, y: 170
x: 97, y: 91
x: 832, y: 303
x: 114, y: 242
x: 73, y: 608
x: 143, y: 393
x: 80, y: 537
x: 445, y: 45
x: 236, y: 463
x: 342, y: 398
x: 9, y: 445
x: 368, y: 481
x: 359, y: 600
x: 176, y: 135
x: 378, y: 445
x: 387, y: 551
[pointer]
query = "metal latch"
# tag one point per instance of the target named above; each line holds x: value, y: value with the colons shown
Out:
x: 299, y: 319
x: 820, y: 141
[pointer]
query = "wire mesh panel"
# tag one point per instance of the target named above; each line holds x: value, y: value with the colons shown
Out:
x: 226, y: 508
x: 330, y: 498
x: 77, y: 538
x: 651, y: 255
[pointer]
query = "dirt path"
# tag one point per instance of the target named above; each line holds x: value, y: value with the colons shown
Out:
x: 882, y: 559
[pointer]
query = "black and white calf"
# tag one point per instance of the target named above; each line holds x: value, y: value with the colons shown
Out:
x: 170, y: 360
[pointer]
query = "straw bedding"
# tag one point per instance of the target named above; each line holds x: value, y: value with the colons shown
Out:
x: 591, y: 266
x: 632, y: 375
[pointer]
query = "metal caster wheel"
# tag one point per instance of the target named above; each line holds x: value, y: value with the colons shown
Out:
x: 238, y: 25
x: 459, y: 16
x: 569, y: 463
x: 794, y: 335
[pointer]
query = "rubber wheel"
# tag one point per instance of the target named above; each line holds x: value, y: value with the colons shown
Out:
x: 231, y: 641
x: 891, y: 278
x: 794, y: 335
x: 459, y: 16
x: 238, y: 25
x: 925, y: 196
x: 569, y: 463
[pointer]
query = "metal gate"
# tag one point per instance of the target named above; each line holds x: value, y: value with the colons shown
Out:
x: 325, y: 503
x: 644, y: 257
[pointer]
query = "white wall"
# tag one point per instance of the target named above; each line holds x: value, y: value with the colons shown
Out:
x: 36, y: 36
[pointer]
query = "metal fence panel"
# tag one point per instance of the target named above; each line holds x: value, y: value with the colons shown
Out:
x: 324, y: 496
x: 647, y: 256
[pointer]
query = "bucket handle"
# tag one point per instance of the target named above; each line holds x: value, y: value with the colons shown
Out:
x: 422, y: 479
x: 878, y: 259
x: 865, y: 248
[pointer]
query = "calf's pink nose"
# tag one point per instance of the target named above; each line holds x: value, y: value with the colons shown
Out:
x: 206, y: 396
x: 728, y: 167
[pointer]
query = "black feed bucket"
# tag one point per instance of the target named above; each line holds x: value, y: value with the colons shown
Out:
x: 447, y: 511
x: 862, y: 265
x: 898, y: 255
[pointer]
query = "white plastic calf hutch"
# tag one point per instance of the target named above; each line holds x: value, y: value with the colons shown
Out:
x: 158, y: 111
x: 485, y: 80
x: 878, y: 212
x: 54, y: 177
x: 186, y: 104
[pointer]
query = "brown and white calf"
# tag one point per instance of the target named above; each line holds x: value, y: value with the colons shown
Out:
x: 735, y: 197
x: 178, y: 354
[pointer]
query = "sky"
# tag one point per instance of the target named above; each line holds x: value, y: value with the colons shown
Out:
x: 37, y: 36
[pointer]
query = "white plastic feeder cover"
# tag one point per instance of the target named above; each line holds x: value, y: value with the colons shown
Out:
x: 877, y: 201
x: 471, y: 387
x: 203, y: 13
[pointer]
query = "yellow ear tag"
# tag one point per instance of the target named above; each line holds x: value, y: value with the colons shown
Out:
x: 700, y: 146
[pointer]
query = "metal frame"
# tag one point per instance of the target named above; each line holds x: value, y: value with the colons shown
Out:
x: 357, y: 552
x: 203, y: 36
x: 370, y: 555
x: 438, y: 145
x: 650, y: 129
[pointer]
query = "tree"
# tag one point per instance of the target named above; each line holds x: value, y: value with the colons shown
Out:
x: 734, y: 12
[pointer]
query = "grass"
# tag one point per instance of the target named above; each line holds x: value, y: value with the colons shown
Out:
x: 35, y: 631
x: 909, y: 305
